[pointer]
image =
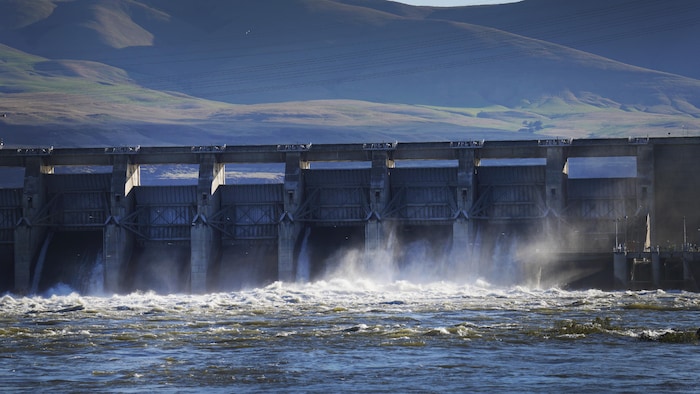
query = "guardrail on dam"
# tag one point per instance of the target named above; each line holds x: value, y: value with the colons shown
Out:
x: 629, y: 231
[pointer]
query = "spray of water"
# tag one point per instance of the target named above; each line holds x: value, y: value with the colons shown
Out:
x: 303, y: 273
x: 160, y: 268
x: 40, y: 263
x: 87, y: 278
x: 96, y: 273
x: 495, y: 259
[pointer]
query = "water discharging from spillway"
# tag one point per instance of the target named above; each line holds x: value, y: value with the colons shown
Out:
x: 499, y: 255
x: 407, y: 255
x: 40, y: 262
x: 506, y: 255
x: 516, y: 261
x: 303, y: 273
x: 504, y: 269
x: 68, y: 262
x: 158, y: 267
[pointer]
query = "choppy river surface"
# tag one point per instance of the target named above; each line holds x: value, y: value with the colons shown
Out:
x: 361, y: 336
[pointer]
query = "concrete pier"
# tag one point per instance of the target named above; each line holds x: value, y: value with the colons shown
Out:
x: 289, y: 227
x: 118, y: 241
x: 463, y: 227
x: 375, y: 228
x: 29, y: 235
x: 621, y: 270
x: 631, y: 219
x: 205, y: 240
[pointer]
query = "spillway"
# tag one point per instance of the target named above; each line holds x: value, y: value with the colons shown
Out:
x: 72, y: 261
x: 507, y: 212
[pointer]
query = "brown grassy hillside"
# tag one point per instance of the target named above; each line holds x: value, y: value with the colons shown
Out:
x: 338, y: 70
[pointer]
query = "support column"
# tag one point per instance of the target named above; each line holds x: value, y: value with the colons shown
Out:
x: 656, y: 269
x: 205, y: 240
x: 288, y: 233
x: 645, y: 190
x: 28, y: 238
x: 689, y: 282
x: 118, y: 243
x: 463, y: 228
x: 289, y: 229
x: 555, y: 189
x: 375, y: 231
x: 620, y: 271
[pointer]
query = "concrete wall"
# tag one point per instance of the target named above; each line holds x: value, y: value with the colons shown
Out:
x: 464, y: 196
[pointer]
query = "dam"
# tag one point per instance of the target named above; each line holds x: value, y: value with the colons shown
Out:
x: 491, y: 209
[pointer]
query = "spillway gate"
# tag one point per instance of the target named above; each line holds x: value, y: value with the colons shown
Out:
x: 444, y: 184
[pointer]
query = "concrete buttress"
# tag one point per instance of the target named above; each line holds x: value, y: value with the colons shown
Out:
x: 375, y: 231
x: 289, y: 229
x: 463, y: 226
x: 118, y: 242
x: 29, y: 236
x: 205, y: 241
x: 555, y: 189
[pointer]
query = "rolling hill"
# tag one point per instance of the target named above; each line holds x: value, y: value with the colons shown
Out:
x: 95, y: 72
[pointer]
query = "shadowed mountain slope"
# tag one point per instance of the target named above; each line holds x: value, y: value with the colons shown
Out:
x: 658, y: 35
x: 204, y: 65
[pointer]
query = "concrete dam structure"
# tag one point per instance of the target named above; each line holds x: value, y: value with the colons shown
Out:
x: 461, y: 209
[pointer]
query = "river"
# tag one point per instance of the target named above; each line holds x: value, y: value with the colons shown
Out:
x: 352, y: 335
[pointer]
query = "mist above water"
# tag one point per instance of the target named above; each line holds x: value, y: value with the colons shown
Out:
x: 504, y: 260
x: 499, y: 257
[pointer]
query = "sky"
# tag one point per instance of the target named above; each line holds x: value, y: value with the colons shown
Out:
x: 453, y: 3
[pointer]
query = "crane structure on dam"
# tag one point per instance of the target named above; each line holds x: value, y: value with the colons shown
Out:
x: 622, y: 230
